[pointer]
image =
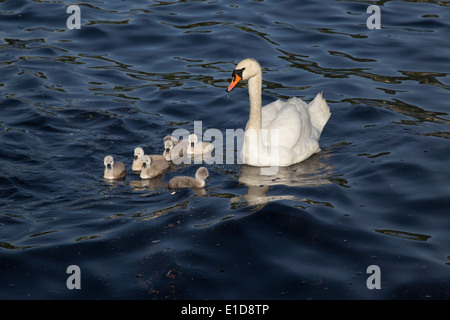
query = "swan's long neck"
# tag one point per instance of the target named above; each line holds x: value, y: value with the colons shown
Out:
x: 254, y: 92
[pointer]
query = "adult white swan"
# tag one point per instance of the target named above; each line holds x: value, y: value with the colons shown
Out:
x: 281, y: 133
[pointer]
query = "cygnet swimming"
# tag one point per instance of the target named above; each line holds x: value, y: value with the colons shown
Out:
x: 170, y: 142
x: 181, y: 182
x: 153, y: 168
x: 198, y: 147
x: 113, y: 170
x: 138, y: 154
x: 137, y: 161
x: 174, y: 149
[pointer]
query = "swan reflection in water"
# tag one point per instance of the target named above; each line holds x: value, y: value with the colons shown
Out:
x: 312, y: 172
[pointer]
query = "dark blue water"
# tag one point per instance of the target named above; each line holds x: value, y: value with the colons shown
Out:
x: 377, y: 193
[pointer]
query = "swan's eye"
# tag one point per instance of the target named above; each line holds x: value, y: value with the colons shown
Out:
x: 238, y: 72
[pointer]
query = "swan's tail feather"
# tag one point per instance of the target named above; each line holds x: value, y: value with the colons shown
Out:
x: 319, y: 112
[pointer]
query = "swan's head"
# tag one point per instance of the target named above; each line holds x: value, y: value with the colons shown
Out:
x: 138, y: 153
x: 245, y: 69
x: 109, y: 162
x: 146, y: 161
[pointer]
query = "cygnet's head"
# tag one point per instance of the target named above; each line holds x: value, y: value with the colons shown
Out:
x: 109, y: 162
x: 245, y: 69
x: 192, y: 138
x: 202, y: 173
x: 146, y: 161
x: 138, y: 153
x: 169, y: 142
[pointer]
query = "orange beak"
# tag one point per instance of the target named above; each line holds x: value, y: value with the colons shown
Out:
x: 234, y: 82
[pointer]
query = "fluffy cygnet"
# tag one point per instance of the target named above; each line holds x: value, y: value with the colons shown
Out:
x: 173, y: 148
x: 170, y: 142
x: 180, y: 182
x: 139, y: 154
x: 137, y: 162
x: 196, y: 147
x: 153, y: 168
x: 113, y: 170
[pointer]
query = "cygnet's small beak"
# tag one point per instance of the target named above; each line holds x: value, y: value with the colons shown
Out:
x: 135, y: 157
x: 208, y: 178
x: 144, y: 164
x: 234, y: 82
x: 108, y: 166
x: 167, y: 150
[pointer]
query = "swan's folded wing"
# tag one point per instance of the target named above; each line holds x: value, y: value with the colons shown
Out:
x: 291, y: 125
x: 270, y: 112
x: 320, y: 113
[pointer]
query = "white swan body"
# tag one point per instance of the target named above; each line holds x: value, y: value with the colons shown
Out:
x: 281, y: 133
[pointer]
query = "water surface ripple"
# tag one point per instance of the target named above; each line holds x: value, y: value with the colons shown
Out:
x: 377, y: 193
